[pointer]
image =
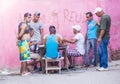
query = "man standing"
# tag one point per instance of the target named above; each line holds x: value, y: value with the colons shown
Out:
x: 36, y: 33
x: 103, y: 38
x: 23, y: 43
x: 91, y: 38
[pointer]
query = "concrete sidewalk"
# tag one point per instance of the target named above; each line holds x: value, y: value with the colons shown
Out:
x: 78, y: 76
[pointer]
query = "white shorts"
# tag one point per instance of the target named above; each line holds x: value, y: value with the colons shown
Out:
x: 35, y: 56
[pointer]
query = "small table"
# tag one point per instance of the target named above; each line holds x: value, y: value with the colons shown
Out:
x: 42, y: 52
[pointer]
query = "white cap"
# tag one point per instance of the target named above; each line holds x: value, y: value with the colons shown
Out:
x: 98, y: 9
x: 76, y: 27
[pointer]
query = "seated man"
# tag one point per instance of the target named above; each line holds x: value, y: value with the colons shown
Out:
x: 52, y: 42
x: 79, y: 40
x: 36, y: 36
x: 36, y: 58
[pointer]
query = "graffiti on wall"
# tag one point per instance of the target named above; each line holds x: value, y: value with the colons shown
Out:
x: 65, y: 16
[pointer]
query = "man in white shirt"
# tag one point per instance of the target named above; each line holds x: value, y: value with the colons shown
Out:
x: 37, y: 36
x: 37, y: 32
x: 79, y: 48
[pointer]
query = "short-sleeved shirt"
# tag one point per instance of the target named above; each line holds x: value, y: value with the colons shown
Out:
x: 105, y: 24
x: 92, y: 29
x: 80, y: 43
x: 36, y: 26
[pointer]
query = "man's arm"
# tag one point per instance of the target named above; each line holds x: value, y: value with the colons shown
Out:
x: 103, y: 28
x: 23, y: 27
x: 102, y: 32
x: 60, y: 41
x: 41, y: 33
x: 31, y: 32
x: 86, y: 35
x: 44, y: 41
x: 72, y: 41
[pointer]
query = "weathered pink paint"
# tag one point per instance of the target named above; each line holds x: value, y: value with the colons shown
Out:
x: 61, y: 13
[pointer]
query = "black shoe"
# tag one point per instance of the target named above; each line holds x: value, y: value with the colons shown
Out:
x: 63, y: 68
x: 38, y: 69
x: 35, y: 67
x: 71, y: 67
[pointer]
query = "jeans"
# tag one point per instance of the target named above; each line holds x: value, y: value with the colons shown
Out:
x: 103, y: 52
x: 35, y: 47
x: 91, y: 43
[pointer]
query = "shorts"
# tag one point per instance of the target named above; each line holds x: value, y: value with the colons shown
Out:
x: 35, y: 48
x: 53, y: 57
x: 24, y: 50
x: 73, y: 53
x: 35, y: 56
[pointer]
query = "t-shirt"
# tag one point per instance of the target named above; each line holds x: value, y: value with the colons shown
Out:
x: 36, y: 26
x: 80, y: 43
x: 105, y: 24
x: 92, y: 29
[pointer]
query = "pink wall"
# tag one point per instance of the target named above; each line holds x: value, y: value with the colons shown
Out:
x: 113, y: 8
x: 61, y: 13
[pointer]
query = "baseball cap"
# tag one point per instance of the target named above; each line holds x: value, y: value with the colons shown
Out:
x: 98, y: 9
x: 37, y: 14
x: 76, y: 27
x: 27, y: 14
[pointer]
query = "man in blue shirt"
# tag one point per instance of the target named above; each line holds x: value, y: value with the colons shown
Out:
x: 52, y: 42
x: 91, y: 38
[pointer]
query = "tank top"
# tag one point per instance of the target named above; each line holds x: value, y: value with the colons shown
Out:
x: 27, y: 30
x: 51, y: 47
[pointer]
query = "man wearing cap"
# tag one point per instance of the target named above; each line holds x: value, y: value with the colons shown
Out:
x: 91, y: 39
x: 103, y: 38
x: 37, y: 33
x: 79, y: 48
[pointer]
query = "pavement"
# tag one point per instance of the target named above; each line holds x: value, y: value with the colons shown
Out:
x: 77, y: 76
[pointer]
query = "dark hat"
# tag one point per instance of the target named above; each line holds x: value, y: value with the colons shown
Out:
x: 37, y: 14
x: 27, y: 14
x: 89, y: 14
x: 52, y: 29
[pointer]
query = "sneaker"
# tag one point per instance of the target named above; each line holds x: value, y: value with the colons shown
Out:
x: 85, y: 66
x: 26, y: 74
x: 63, y: 68
x: 102, y: 69
x: 98, y: 68
x: 91, y: 66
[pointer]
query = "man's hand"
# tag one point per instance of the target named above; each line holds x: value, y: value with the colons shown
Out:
x: 99, y: 40
x: 17, y: 42
x: 40, y: 43
x: 97, y: 23
x: 64, y: 40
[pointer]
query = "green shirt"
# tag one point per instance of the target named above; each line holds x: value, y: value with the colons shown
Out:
x: 105, y: 23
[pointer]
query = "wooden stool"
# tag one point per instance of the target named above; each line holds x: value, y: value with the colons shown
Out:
x: 48, y: 60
